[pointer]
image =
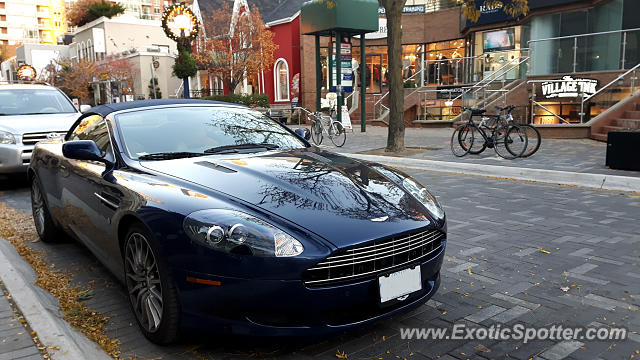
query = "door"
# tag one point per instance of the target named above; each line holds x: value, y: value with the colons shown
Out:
x: 91, y: 201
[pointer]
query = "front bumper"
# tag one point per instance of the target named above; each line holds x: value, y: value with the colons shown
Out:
x: 288, y: 308
x: 14, y: 158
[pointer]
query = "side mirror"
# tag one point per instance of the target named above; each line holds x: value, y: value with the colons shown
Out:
x: 84, y: 108
x: 86, y: 150
x: 303, y: 133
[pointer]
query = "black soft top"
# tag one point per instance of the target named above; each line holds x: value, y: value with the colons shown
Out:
x: 104, y: 110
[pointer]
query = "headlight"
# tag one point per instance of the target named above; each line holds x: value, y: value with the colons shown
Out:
x: 239, y: 233
x: 424, y: 196
x: 7, y: 138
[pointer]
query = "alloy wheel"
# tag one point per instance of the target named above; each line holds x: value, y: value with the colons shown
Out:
x: 37, y: 206
x: 143, y: 282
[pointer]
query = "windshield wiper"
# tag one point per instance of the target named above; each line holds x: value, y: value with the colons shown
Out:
x: 236, y: 147
x: 170, y: 155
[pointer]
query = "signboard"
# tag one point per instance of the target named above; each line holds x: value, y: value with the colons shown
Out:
x: 448, y: 92
x: 76, y: 103
x: 568, y: 87
x: 346, y: 71
x: 494, y: 13
x: 380, y: 34
x: 346, y: 119
x: 98, y: 40
x: 408, y: 9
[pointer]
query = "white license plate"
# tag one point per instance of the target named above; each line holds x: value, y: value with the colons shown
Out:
x: 400, y: 283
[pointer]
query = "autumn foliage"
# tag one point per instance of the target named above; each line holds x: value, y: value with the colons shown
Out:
x: 74, y: 78
x: 118, y: 69
x: 235, y: 46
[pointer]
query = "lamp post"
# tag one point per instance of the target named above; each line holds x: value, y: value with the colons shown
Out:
x: 180, y: 24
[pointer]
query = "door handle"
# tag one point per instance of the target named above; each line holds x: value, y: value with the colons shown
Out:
x: 104, y: 199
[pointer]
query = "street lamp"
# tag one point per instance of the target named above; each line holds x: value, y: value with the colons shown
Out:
x: 181, y: 25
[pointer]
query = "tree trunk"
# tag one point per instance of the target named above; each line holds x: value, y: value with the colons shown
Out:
x: 395, y: 138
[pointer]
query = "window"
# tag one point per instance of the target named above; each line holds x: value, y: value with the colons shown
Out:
x: 281, y: 77
x: 94, y: 128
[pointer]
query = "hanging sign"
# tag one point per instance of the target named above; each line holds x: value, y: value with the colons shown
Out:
x: 346, y: 80
x: 568, y: 87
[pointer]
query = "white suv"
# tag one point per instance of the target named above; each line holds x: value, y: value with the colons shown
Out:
x: 30, y: 113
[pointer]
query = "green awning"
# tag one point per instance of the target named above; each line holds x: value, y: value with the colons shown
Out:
x: 320, y: 17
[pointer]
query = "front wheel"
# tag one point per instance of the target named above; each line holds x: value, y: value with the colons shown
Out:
x: 337, y: 134
x: 46, y: 228
x: 534, y: 140
x: 462, y: 140
x: 316, y: 132
x: 152, y: 294
x: 510, y: 142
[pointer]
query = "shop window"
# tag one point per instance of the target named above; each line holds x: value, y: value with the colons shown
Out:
x: 281, y: 80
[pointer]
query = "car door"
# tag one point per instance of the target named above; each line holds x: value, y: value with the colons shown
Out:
x: 91, y: 199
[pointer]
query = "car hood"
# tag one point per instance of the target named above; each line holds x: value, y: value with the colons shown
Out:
x: 23, y: 124
x: 340, y: 199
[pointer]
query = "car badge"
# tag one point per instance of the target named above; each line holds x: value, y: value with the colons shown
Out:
x: 53, y: 135
x: 380, y: 219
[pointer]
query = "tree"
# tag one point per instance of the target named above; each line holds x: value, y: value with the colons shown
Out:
x: 236, y: 45
x: 120, y: 70
x: 85, y: 11
x: 74, y: 78
x: 153, y: 84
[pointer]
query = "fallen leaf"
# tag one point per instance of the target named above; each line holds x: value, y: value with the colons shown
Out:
x: 544, y: 251
x: 564, y: 288
x: 482, y: 348
x: 341, y: 355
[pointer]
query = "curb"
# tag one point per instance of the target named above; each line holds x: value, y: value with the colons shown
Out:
x: 41, y: 310
x: 598, y: 181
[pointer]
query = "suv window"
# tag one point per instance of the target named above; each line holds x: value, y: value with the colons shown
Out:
x: 34, y: 101
x: 94, y: 128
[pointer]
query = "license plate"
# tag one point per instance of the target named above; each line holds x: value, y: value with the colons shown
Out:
x: 399, y: 284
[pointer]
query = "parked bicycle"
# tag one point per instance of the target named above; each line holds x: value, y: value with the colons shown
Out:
x: 534, y: 139
x: 328, y: 124
x: 508, y: 139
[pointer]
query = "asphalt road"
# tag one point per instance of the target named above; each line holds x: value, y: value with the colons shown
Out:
x: 518, y: 252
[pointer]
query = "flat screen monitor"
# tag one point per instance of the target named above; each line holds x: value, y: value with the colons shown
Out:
x: 499, y: 40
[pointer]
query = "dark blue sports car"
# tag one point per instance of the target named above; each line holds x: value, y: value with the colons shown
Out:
x: 217, y: 217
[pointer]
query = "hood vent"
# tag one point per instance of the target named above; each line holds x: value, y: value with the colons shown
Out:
x: 215, y: 166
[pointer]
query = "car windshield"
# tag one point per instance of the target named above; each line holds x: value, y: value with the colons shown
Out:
x: 34, y: 102
x: 187, y: 131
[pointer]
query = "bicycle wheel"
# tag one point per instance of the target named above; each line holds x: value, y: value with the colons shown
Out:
x: 509, y: 141
x: 462, y: 140
x: 337, y: 134
x: 479, y: 144
x: 534, y: 140
x: 316, y: 132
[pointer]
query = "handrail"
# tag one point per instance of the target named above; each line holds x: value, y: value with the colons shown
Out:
x: 620, y: 77
x: 612, y: 82
x: 476, y: 56
x: 583, y: 35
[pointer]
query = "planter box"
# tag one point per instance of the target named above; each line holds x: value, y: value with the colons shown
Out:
x: 623, y: 148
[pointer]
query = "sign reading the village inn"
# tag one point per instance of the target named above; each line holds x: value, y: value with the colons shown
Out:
x: 568, y: 87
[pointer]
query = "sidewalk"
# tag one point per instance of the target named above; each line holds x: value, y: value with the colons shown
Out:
x: 572, y: 155
x: 15, y: 334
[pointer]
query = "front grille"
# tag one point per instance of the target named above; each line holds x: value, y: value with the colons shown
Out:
x: 373, y: 258
x: 33, y: 138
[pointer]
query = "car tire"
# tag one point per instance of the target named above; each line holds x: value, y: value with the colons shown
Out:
x: 47, y: 230
x: 145, y: 300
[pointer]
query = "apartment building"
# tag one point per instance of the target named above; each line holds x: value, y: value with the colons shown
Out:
x: 31, y: 21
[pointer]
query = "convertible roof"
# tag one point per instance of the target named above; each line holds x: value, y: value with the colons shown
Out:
x: 107, y: 109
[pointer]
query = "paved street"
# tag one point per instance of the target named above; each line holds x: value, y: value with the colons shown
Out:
x: 513, y: 250
x: 576, y: 155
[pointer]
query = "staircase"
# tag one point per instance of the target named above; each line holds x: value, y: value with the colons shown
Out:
x: 625, y: 116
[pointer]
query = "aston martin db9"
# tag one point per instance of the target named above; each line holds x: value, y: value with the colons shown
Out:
x: 217, y: 217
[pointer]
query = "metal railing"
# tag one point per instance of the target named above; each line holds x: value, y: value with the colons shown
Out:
x: 379, y: 109
x: 585, y: 55
x: 622, y: 86
x: 535, y: 103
